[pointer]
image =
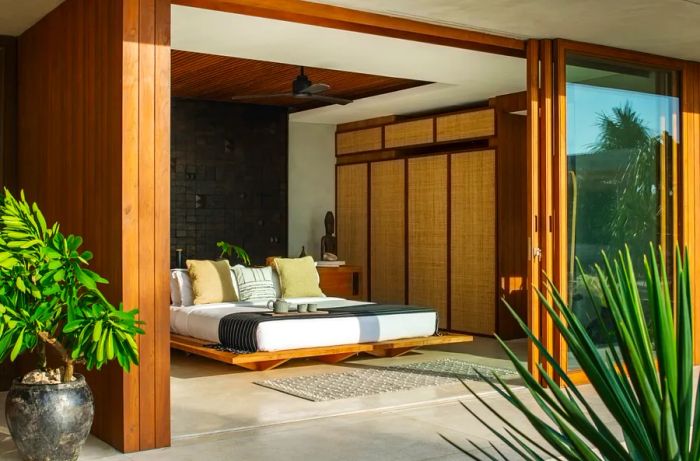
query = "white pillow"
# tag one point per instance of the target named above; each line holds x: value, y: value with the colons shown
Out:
x: 185, y: 284
x: 254, y: 282
x: 235, y: 284
x: 276, y: 284
x: 175, y: 297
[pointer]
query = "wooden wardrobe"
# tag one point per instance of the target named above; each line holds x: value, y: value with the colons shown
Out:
x: 423, y: 223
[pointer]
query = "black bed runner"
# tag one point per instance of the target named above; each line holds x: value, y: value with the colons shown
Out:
x: 237, y: 331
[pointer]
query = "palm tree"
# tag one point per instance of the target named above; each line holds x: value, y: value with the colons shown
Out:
x: 624, y: 132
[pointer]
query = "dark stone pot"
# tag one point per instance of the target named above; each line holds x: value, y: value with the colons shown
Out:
x: 49, y: 422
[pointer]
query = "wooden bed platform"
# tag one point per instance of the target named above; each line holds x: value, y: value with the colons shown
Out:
x: 260, y: 361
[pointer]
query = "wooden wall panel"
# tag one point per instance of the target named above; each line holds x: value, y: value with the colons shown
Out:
x: 690, y: 182
x: 94, y: 110
x: 511, y: 208
x: 352, y: 195
x: 427, y: 233
x: 473, y: 242
x: 388, y: 231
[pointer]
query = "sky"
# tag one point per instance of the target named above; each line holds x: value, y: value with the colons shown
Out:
x: 585, y: 103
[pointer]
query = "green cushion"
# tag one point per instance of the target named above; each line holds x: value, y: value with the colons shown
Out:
x: 298, y: 277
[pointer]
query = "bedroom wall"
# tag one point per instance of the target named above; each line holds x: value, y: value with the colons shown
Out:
x: 311, y: 184
x: 229, y: 178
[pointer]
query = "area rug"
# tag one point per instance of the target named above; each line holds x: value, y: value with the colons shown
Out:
x: 369, y: 380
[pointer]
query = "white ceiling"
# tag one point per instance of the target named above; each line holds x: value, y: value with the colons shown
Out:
x: 665, y: 27
x: 16, y: 16
x: 461, y: 76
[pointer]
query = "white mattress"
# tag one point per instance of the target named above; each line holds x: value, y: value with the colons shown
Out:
x: 202, y: 322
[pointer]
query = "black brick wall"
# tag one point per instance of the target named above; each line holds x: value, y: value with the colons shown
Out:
x: 233, y: 156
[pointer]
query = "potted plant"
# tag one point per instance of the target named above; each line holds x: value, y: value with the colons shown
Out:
x: 50, y: 300
x: 643, y: 375
x: 229, y: 249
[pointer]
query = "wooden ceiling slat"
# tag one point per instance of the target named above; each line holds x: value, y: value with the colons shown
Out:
x: 205, y: 76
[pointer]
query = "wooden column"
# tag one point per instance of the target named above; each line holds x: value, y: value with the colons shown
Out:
x: 94, y: 150
x: 690, y: 182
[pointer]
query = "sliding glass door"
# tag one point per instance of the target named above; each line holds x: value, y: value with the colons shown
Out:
x: 619, y: 159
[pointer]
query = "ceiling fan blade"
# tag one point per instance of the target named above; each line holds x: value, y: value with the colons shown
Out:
x: 316, y: 88
x: 331, y: 99
x: 262, y: 96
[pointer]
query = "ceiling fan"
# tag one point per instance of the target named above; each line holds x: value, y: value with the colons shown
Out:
x: 302, y: 88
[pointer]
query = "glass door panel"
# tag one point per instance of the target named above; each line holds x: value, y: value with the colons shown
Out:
x: 621, y: 143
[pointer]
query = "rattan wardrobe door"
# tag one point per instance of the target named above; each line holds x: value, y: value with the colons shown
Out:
x: 388, y: 231
x: 427, y: 233
x: 351, y: 216
x: 473, y: 242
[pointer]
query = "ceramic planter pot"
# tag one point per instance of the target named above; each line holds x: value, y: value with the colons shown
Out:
x: 49, y: 422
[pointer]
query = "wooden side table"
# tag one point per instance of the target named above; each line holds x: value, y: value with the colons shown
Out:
x: 342, y: 282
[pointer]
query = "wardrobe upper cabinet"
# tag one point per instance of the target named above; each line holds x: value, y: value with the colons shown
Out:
x: 427, y: 233
x: 473, y: 242
x: 354, y: 142
x: 352, y: 197
x: 465, y: 125
x: 388, y: 231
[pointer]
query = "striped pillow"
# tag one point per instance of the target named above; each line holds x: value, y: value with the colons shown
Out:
x: 254, y: 283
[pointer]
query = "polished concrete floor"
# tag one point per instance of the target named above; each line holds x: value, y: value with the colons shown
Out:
x: 218, y: 413
x: 209, y: 397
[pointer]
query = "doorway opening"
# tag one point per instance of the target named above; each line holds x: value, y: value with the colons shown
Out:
x: 423, y: 172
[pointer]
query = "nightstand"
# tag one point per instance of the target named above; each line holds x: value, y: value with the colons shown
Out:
x: 341, y: 282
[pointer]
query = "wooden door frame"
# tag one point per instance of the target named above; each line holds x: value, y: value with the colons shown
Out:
x: 534, y: 315
x: 689, y: 74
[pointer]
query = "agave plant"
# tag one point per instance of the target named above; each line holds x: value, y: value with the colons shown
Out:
x: 644, y: 377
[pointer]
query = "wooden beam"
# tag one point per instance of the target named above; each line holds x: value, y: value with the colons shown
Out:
x: 336, y: 17
x: 619, y: 54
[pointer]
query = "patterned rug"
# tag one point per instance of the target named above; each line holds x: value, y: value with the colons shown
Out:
x: 370, y: 380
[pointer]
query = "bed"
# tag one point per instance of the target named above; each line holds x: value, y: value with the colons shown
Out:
x: 245, y: 333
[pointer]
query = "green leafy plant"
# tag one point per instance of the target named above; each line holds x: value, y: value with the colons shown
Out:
x: 624, y: 132
x: 49, y: 297
x: 644, y: 377
x: 229, y: 249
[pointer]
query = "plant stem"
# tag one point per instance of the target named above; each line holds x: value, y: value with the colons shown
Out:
x: 68, y: 372
x: 65, y: 356
x: 41, y: 352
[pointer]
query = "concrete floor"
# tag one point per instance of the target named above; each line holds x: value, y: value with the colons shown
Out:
x: 219, y: 414
x: 209, y: 397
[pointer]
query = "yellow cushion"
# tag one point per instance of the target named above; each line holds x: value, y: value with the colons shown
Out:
x: 298, y: 277
x: 211, y: 281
